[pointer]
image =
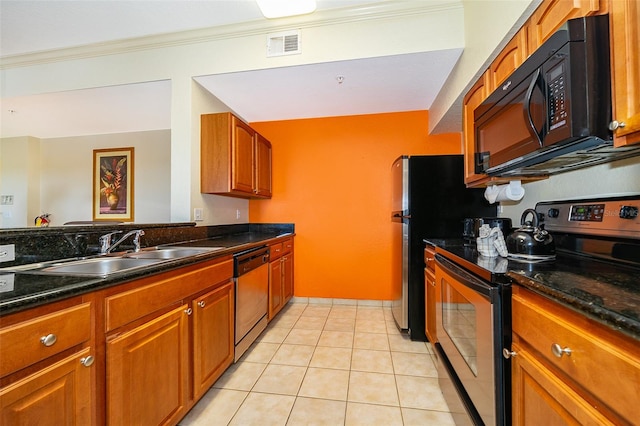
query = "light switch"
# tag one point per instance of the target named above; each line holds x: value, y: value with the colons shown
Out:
x: 197, y: 214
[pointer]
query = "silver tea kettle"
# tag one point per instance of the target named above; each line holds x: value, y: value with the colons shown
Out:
x: 531, y: 240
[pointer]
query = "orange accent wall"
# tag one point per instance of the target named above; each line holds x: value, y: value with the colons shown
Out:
x: 332, y: 179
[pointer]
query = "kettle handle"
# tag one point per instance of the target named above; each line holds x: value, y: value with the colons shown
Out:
x: 524, y: 216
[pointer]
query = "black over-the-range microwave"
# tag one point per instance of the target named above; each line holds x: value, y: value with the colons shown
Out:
x: 552, y: 114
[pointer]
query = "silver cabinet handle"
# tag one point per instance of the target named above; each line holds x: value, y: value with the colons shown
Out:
x: 188, y: 311
x: 201, y: 303
x: 506, y: 353
x: 87, y: 361
x: 558, y: 350
x: 49, y: 340
x: 616, y: 124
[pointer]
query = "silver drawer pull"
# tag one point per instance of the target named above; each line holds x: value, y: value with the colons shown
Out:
x: 201, y: 303
x: 49, y: 340
x: 616, y: 125
x: 506, y: 353
x: 558, y: 350
x: 87, y: 361
x: 188, y: 311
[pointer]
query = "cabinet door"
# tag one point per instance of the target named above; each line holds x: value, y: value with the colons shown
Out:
x: 275, y: 288
x: 625, y: 64
x: 472, y: 100
x: 60, y: 394
x: 510, y: 58
x: 147, y: 372
x: 287, y: 277
x: 541, y: 398
x: 242, y: 160
x: 430, y: 305
x: 212, y: 337
x: 553, y: 13
x: 263, y: 166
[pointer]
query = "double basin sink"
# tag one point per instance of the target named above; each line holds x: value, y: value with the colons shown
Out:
x: 105, y: 265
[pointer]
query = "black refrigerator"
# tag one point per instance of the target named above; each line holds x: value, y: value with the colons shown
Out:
x: 430, y: 200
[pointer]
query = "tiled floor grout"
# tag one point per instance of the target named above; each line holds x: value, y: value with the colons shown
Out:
x: 305, y: 379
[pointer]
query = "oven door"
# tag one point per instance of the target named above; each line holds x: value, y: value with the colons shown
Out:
x: 469, y: 328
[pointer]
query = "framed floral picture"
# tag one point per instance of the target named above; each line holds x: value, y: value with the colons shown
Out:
x: 113, y: 184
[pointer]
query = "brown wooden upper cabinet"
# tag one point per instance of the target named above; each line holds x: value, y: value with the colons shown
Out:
x: 624, y: 16
x: 235, y: 160
x: 510, y: 58
x: 472, y: 100
x: 551, y: 14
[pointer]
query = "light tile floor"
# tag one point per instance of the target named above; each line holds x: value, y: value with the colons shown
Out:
x: 328, y: 365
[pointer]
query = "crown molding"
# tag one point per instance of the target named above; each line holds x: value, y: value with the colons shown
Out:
x: 376, y: 11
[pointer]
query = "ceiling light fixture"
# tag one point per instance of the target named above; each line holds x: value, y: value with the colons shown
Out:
x: 281, y: 8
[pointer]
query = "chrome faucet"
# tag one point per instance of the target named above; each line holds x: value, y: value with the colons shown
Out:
x: 107, y: 247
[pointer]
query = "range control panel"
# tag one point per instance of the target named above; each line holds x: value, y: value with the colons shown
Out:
x: 614, y: 217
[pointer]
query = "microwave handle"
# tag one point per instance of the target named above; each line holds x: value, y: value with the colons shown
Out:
x: 527, y: 107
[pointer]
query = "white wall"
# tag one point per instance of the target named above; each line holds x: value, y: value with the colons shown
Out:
x: 19, y: 178
x: 67, y: 171
x: 617, y: 178
x: 488, y: 27
x: 55, y: 176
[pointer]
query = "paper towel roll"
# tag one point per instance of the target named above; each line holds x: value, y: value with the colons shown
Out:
x: 511, y: 192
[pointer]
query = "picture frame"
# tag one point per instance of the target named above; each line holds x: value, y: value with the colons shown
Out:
x: 113, y: 184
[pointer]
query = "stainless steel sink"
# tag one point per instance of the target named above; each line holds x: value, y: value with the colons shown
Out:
x: 97, y: 267
x: 167, y: 253
x: 103, y: 266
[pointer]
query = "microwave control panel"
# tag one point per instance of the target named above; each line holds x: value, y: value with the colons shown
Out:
x: 557, y: 94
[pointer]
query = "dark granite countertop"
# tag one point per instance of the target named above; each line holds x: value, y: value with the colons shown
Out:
x: 604, y: 291
x: 20, y: 291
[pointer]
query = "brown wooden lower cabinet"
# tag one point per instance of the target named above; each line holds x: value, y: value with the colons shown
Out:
x: 59, y: 394
x: 280, y: 276
x: 147, y: 372
x: 159, y: 365
x: 568, y: 368
x: 47, y: 368
x: 213, y: 343
x: 140, y: 353
x: 540, y: 397
x: 430, y: 294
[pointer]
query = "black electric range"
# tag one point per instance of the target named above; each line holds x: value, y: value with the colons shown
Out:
x: 595, y: 272
x: 597, y: 264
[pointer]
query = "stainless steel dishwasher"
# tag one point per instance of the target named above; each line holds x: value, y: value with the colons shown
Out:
x: 251, y: 276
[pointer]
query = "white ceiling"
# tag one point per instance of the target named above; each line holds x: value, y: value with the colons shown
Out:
x: 374, y: 85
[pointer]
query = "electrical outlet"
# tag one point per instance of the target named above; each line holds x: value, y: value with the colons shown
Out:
x: 198, y: 214
x: 6, y: 200
x: 7, y: 253
x: 238, y: 214
x: 6, y: 282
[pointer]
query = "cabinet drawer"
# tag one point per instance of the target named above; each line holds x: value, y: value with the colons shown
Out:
x: 160, y: 292
x: 23, y: 344
x: 602, y: 363
x: 276, y: 250
x: 287, y: 246
x: 430, y: 258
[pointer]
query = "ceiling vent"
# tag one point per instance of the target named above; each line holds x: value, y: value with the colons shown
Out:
x: 285, y: 43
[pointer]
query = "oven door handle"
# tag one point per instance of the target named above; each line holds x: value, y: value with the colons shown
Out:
x: 466, y: 278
